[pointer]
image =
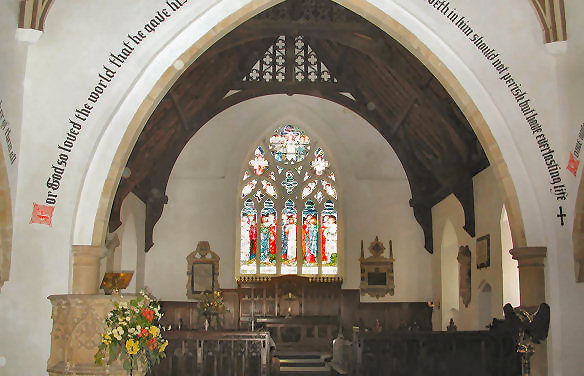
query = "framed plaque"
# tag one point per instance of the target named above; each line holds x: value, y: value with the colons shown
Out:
x: 202, y: 271
x: 484, y: 251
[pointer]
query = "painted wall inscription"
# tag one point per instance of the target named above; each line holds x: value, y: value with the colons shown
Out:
x: 515, y: 88
x: 5, y: 130
x: 76, y: 123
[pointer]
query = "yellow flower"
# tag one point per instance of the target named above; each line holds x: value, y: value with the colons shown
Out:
x: 106, y: 339
x: 163, y: 346
x: 132, y: 346
x: 155, y: 331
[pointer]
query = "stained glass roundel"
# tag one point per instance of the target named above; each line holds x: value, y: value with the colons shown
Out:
x: 289, y: 144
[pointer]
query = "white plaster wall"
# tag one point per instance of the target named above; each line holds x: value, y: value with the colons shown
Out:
x: 61, y: 69
x: 204, y: 191
x: 13, y: 62
x: 566, y: 297
x: 131, y: 250
x: 488, y: 206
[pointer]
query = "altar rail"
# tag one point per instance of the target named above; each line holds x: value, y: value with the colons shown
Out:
x: 480, y: 353
x: 215, y: 353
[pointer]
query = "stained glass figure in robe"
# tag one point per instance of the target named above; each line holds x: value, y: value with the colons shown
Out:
x: 309, y: 239
x: 329, y: 239
x: 248, y: 238
x: 289, y: 218
x: 268, y: 238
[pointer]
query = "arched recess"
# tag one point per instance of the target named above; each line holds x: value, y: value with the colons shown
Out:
x: 449, y: 274
x: 484, y: 305
x: 509, y: 266
x: 5, y: 223
x: 369, y: 12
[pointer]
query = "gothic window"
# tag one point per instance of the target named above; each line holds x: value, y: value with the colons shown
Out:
x: 288, y: 220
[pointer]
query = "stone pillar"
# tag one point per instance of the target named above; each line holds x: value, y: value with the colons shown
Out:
x: 86, y: 269
x: 531, y: 275
x: 532, y: 289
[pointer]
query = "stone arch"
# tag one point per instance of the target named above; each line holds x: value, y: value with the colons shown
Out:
x: 369, y: 12
x: 5, y: 223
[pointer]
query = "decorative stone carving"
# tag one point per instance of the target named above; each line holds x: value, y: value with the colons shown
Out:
x: 464, y: 268
x: 78, y: 321
x: 377, y: 270
x: 33, y: 14
x: 203, y: 271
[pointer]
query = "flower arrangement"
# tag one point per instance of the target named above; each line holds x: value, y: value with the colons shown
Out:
x: 132, y: 334
x: 211, y: 304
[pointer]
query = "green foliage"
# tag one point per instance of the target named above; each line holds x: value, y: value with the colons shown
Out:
x: 211, y: 303
x: 333, y: 259
x: 132, y: 334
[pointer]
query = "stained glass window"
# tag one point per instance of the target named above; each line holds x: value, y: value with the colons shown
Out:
x: 268, y: 238
x: 248, y: 238
x: 269, y: 188
x: 319, y: 164
x: 289, y: 262
x: 328, y: 231
x: 300, y: 185
x: 259, y: 162
x: 309, y: 239
x: 248, y: 187
x: 289, y: 145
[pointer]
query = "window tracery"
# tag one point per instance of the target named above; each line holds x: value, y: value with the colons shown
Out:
x: 297, y: 182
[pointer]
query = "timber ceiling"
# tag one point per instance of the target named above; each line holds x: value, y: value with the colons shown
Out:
x: 318, y: 48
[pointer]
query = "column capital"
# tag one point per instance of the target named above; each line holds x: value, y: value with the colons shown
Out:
x: 522, y: 254
x: 86, y: 268
x: 87, y: 250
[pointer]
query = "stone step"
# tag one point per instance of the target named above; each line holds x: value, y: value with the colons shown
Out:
x: 299, y: 362
x: 305, y: 371
x: 303, y: 364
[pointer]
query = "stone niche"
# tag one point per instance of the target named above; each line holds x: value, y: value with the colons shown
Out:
x: 78, y: 321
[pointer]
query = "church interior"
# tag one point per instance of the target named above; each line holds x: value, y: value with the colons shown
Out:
x: 307, y: 187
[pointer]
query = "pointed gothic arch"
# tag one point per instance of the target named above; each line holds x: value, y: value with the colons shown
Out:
x: 386, y: 23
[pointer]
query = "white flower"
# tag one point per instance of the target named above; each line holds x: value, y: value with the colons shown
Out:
x: 128, y: 318
x: 138, y: 327
x: 120, y: 330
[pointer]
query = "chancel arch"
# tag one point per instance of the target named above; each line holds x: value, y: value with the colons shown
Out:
x: 388, y: 24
